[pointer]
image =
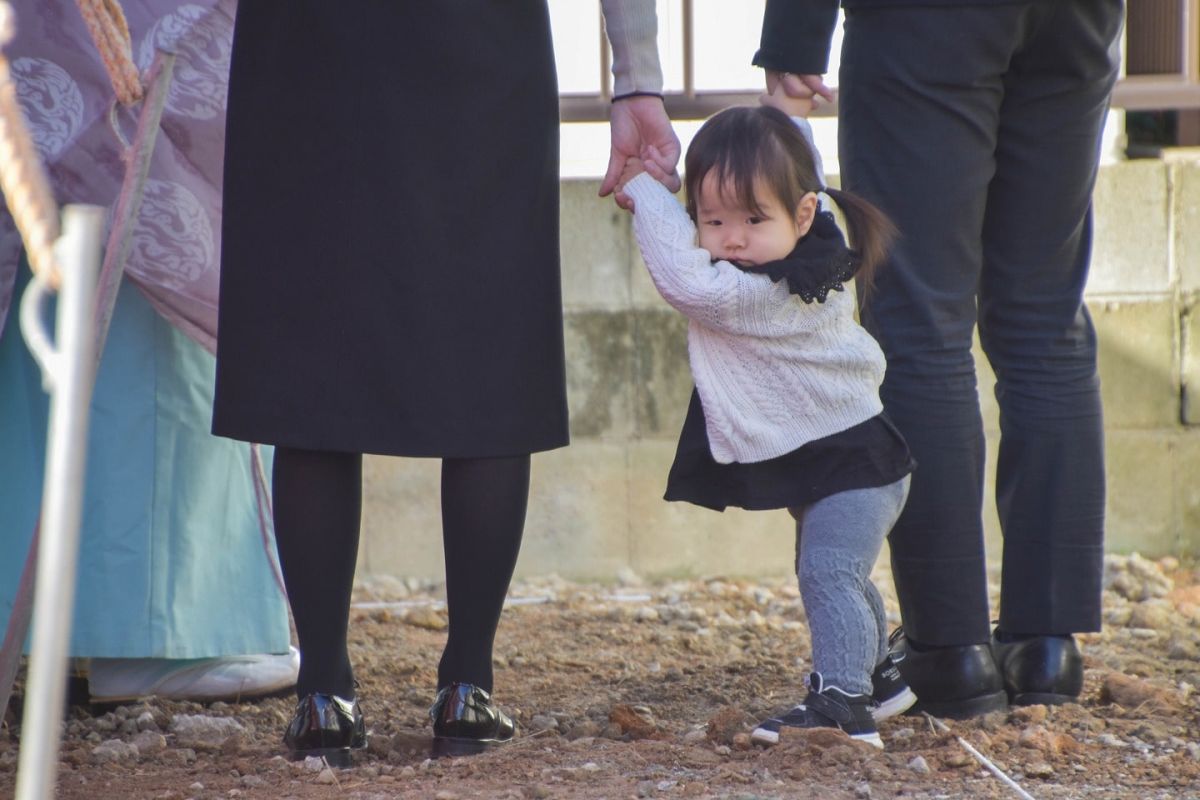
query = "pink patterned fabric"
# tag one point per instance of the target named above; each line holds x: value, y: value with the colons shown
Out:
x: 66, y: 96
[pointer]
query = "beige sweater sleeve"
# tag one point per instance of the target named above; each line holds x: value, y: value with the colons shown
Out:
x: 633, y: 33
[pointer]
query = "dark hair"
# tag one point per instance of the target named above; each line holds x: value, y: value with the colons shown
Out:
x: 745, y: 143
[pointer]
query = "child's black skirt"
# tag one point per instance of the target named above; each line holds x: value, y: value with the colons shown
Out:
x: 870, y: 454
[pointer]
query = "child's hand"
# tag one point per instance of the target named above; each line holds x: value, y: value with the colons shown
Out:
x: 790, y: 95
x: 633, y: 167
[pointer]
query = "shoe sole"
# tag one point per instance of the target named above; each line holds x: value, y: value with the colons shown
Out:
x: 452, y: 746
x: 962, y: 709
x: 894, y: 705
x: 767, y: 738
x: 339, y: 757
x: 1042, y: 699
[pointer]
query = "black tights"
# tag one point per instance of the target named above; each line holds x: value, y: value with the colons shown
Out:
x: 318, y: 507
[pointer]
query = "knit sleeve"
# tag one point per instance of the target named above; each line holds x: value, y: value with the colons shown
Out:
x: 632, y: 29
x: 806, y: 131
x: 714, y: 294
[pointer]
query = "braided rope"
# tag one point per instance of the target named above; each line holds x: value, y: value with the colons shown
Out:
x: 22, y: 177
x: 106, y: 22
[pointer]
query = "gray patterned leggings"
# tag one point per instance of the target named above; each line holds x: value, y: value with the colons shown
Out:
x: 838, y: 539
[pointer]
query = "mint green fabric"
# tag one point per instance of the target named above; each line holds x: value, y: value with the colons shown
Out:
x: 172, y: 563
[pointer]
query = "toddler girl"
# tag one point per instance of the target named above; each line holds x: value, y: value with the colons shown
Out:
x: 786, y: 410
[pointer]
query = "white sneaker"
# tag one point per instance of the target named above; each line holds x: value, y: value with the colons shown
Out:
x: 114, y: 680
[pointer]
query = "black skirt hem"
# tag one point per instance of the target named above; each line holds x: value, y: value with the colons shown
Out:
x: 369, y: 444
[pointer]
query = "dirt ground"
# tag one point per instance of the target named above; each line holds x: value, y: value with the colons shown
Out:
x: 649, y: 690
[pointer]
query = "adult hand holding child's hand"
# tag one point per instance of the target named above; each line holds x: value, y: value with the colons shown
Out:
x: 794, y: 95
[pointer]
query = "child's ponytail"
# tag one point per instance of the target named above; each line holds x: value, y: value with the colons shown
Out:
x: 871, y: 233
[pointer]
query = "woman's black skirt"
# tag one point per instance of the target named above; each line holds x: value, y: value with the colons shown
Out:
x: 390, y: 269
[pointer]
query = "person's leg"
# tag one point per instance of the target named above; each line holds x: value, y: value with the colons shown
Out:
x: 318, y: 504
x: 483, y: 517
x: 1034, y: 327
x: 839, y: 541
x: 920, y: 90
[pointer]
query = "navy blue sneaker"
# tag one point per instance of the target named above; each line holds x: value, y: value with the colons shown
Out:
x: 891, y: 694
x: 825, y: 707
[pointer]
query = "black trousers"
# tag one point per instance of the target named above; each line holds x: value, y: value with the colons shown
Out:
x: 977, y: 128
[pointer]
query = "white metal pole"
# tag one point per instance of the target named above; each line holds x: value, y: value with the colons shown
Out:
x: 68, y: 371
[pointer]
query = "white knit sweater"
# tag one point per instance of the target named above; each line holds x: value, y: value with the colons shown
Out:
x: 773, y: 373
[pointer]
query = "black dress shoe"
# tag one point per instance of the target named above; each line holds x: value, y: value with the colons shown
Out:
x: 956, y: 682
x: 465, y: 721
x: 1039, y: 670
x: 326, y: 726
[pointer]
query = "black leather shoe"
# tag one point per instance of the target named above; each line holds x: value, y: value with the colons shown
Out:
x: 955, y: 682
x: 465, y: 721
x: 1040, y: 670
x: 327, y: 726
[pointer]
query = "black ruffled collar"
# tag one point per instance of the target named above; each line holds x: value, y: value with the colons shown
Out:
x: 818, y: 264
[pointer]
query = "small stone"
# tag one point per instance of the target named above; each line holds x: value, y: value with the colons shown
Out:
x: 1183, y: 649
x: 445, y: 794
x: 197, y: 730
x: 326, y: 776
x: 252, y: 781
x: 1132, y: 692
x: 627, y: 577
x: 695, y: 737
x: 1030, y: 714
x: 726, y: 723
x: 114, y: 750
x: 149, y: 741
x: 542, y: 723
x: 146, y: 722
x: 631, y: 722
x: 646, y: 614
x: 1040, y: 769
x: 919, y: 765
x: 181, y: 756
x: 426, y: 618
x: 584, y: 730
x: 863, y: 790
x: 1036, y: 737
x: 314, y: 763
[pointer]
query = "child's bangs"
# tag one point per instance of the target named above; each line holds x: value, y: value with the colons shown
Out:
x: 736, y: 178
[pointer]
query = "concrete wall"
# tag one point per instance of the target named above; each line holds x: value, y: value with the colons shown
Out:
x: 596, y: 506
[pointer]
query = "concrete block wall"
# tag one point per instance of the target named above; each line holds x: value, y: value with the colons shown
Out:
x: 596, y: 507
